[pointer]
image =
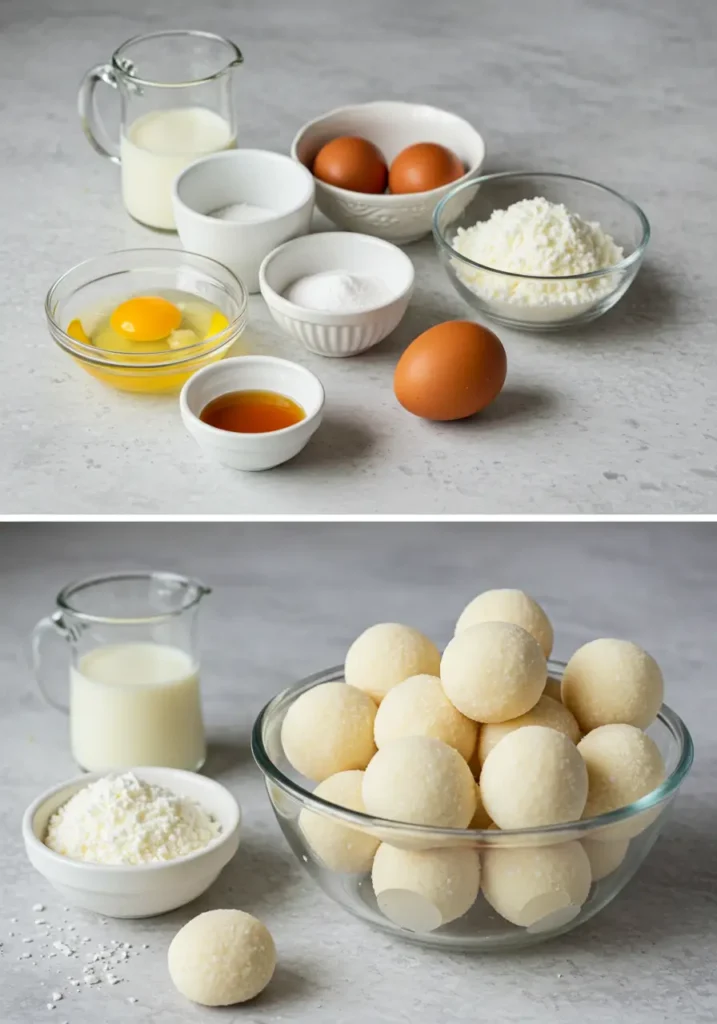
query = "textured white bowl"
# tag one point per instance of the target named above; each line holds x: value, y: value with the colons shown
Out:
x: 337, y: 334
x: 255, y: 176
x: 141, y: 890
x: 252, y: 452
x: 390, y: 125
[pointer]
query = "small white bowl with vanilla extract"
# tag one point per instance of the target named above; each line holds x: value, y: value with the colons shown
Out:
x: 252, y: 412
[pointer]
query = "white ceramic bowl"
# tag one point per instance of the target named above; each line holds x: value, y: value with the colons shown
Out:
x: 254, y: 176
x: 142, y: 890
x: 252, y: 452
x: 391, y: 126
x: 337, y: 334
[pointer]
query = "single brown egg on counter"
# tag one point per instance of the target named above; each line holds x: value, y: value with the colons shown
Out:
x: 451, y: 371
x: 423, y: 167
x: 353, y: 163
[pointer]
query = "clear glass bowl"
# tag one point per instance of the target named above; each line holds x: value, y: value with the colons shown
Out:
x: 481, y: 928
x: 523, y: 301
x: 104, y: 281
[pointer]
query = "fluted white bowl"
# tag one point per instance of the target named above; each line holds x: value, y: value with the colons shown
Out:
x: 337, y: 334
x: 392, y: 126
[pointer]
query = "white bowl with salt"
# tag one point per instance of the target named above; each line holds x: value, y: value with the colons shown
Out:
x: 236, y: 206
x: 338, y: 293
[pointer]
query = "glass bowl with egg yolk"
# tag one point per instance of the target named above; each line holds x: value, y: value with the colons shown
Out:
x: 145, y: 320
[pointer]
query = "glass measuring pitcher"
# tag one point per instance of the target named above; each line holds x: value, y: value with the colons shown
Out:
x: 176, y: 104
x: 134, y: 670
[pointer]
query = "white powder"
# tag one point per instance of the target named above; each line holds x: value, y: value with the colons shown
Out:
x: 335, y: 291
x: 123, y: 820
x: 541, y: 239
x: 243, y: 213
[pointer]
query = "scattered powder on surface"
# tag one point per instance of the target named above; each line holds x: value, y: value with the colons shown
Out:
x: 243, y: 213
x: 105, y: 965
x: 539, y: 238
x: 335, y: 291
x: 123, y: 820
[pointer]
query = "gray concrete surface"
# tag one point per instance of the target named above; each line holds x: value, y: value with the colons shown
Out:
x: 619, y: 417
x: 287, y: 602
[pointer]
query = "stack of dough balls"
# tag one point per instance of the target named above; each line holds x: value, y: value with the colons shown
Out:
x: 478, y: 738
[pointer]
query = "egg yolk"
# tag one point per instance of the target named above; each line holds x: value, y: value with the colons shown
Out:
x: 77, y: 331
x: 146, y: 318
x: 217, y: 324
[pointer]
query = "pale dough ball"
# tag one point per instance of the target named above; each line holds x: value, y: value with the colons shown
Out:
x: 422, y: 890
x: 539, y: 888
x: 547, y: 712
x: 385, y: 655
x: 422, y: 781
x: 552, y: 689
x: 329, y: 729
x: 221, y: 958
x: 509, y: 606
x: 534, y: 776
x: 481, y: 818
x: 340, y: 847
x: 612, y: 682
x: 623, y: 765
x: 605, y: 857
x: 419, y: 707
x: 493, y: 671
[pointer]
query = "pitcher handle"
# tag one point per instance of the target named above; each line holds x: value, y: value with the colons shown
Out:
x: 92, y: 125
x: 53, y: 623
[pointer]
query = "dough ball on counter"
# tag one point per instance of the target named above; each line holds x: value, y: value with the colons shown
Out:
x: 547, y: 712
x: 610, y: 682
x: 605, y: 857
x: 340, y: 847
x: 623, y: 765
x: 537, y: 888
x: 386, y: 654
x: 422, y: 890
x: 509, y: 606
x: 419, y: 707
x: 481, y: 818
x: 493, y: 671
x: 329, y: 729
x: 552, y: 689
x: 422, y: 781
x: 222, y: 957
x: 534, y: 776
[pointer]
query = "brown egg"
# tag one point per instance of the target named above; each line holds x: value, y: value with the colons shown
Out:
x: 422, y: 167
x: 451, y: 371
x: 352, y: 163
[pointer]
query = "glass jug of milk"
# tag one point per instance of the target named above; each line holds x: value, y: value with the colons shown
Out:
x: 176, y: 104
x: 134, y: 672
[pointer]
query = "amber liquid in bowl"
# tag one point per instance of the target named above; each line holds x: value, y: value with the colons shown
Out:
x: 252, y: 412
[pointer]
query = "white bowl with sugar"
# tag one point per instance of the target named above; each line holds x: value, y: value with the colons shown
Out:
x: 364, y: 282
x: 236, y: 206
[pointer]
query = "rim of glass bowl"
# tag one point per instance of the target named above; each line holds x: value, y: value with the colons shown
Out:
x: 666, y: 715
x: 634, y: 257
x: 89, y: 353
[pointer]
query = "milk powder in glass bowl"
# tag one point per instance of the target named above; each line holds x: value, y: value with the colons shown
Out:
x: 595, y: 227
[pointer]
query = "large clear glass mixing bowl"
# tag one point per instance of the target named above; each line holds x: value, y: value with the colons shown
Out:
x: 616, y: 843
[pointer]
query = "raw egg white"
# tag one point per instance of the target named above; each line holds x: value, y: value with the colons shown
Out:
x: 451, y: 371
